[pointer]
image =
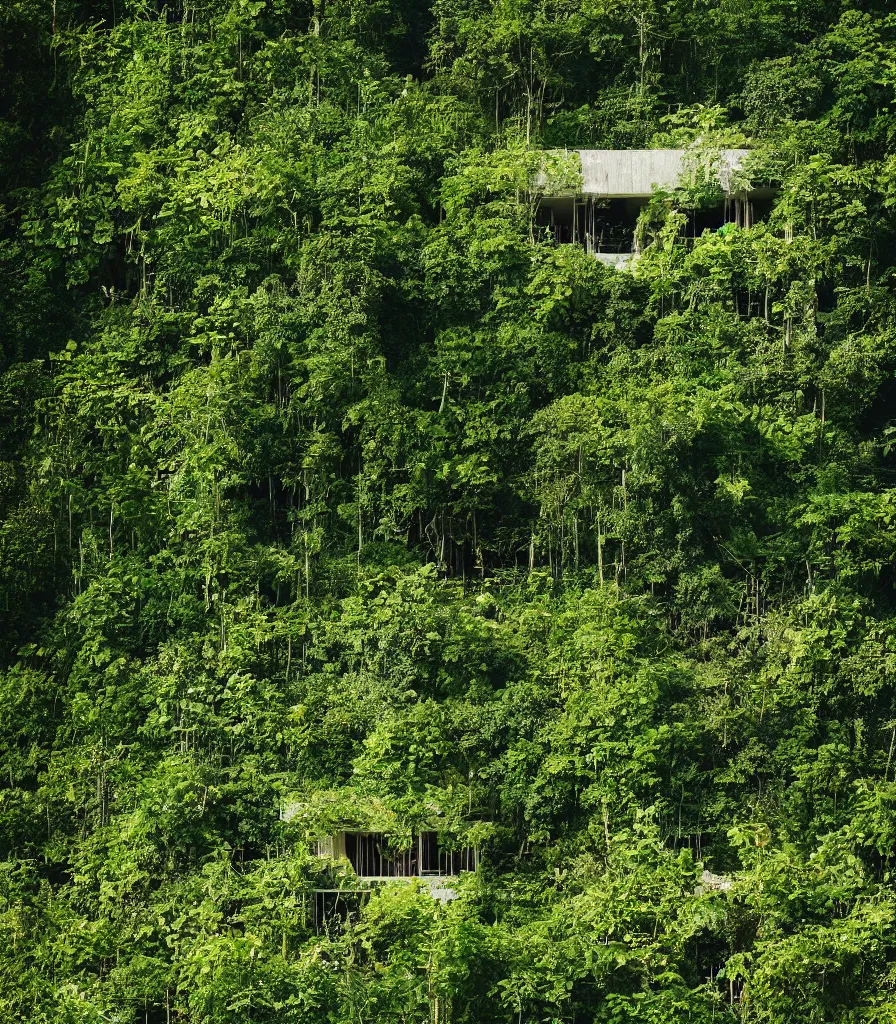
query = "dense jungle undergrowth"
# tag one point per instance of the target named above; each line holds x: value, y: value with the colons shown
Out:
x: 330, y: 487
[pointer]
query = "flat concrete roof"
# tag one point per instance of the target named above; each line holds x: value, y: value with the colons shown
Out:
x: 633, y: 173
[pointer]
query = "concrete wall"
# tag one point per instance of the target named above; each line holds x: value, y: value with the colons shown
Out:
x: 619, y: 173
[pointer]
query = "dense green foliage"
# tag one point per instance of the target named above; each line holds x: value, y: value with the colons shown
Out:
x: 325, y: 484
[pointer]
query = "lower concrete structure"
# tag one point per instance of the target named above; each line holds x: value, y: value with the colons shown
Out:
x: 374, y: 856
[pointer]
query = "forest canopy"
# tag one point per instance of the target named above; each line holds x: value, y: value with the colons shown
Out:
x: 334, y: 494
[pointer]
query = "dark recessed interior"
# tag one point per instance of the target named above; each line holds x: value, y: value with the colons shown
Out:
x: 372, y: 854
x: 608, y: 225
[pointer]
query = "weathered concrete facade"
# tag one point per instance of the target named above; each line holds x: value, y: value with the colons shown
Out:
x: 635, y: 173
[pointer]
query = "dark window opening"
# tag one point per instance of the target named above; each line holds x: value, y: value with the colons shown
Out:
x: 609, y: 225
x: 606, y: 225
x: 429, y: 854
x: 372, y: 855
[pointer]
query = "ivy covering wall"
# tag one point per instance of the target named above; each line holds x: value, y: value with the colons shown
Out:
x: 333, y: 496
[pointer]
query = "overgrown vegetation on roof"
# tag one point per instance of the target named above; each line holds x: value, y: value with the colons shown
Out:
x: 325, y: 485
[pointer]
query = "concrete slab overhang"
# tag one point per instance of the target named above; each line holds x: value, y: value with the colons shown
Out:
x: 634, y: 173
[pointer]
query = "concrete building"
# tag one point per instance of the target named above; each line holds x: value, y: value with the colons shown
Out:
x: 374, y: 858
x: 602, y: 213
